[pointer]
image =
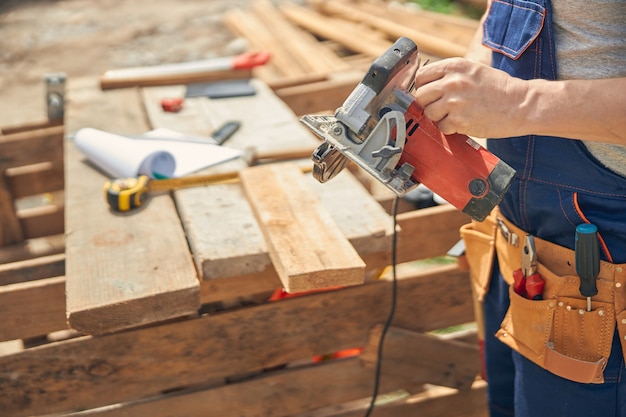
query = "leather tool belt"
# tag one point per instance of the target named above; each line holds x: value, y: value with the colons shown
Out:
x: 557, y: 332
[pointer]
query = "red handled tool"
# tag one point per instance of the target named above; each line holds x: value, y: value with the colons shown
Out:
x: 214, y: 69
x: 534, y: 283
x: 526, y: 281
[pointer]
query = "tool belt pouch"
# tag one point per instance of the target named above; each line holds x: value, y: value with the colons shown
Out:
x: 479, y: 238
x: 558, y: 333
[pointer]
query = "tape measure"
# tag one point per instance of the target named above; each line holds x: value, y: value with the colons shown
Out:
x: 126, y: 194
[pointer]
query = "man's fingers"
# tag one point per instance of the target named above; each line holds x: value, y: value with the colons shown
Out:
x: 447, y: 127
x: 429, y: 73
x: 436, y: 111
x: 427, y: 95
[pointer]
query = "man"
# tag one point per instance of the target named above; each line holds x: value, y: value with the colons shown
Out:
x: 553, y: 105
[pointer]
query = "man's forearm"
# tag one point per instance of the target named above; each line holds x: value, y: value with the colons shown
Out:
x: 592, y: 110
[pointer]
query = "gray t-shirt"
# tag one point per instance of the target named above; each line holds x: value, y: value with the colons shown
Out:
x: 591, y: 44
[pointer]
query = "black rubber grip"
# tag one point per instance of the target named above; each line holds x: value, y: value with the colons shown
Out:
x: 587, y: 258
x: 390, y: 63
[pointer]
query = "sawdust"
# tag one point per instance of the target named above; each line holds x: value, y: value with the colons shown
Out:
x: 84, y: 38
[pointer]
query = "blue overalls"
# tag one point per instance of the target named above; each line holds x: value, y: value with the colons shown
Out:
x: 558, y: 186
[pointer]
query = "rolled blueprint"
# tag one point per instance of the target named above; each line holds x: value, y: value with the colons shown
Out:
x: 160, y: 153
x: 122, y: 157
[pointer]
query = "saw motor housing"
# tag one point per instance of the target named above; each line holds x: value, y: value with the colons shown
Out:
x: 383, y: 129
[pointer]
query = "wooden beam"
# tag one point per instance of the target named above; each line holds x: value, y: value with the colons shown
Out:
x: 428, y: 358
x: 32, y: 309
x: 301, y: 45
x: 29, y: 126
x: 423, y: 234
x: 456, y: 29
x: 251, y: 27
x: 144, y: 77
x: 428, y: 43
x: 320, y: 96
x: 429, y: 232
x: 10, y: 227
x: 293, y: 391
x: 327, y: 28
x: 33, y: 248
x: 32, y: 269
x: 35, y: 179
x: 434, y: 402
x: 31, y: 147
x: 42, y: 221
x: 305, y: 246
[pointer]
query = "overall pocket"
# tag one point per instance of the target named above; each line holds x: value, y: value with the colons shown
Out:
x: 525, y: 21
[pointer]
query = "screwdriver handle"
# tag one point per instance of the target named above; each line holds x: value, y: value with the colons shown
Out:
x: 587, y: 254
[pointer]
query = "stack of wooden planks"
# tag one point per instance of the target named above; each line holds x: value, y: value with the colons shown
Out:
x: 321, y: 50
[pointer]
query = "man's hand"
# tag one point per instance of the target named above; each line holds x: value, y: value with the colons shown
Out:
x: 469, y: 97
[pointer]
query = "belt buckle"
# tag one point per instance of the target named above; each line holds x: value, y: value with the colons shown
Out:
x: 511, y: 238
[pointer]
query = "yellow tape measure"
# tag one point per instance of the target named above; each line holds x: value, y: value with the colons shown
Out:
x: 126, y: 194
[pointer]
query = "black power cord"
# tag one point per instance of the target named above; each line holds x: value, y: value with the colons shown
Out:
x: 392, y: 310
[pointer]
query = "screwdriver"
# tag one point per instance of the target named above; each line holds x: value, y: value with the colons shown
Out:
x: 587, y: 255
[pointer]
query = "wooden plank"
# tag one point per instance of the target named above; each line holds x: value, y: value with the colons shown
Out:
x: 305, y: 246
x: 42, y: 221
x: 431, y: 44
x: 321, y: 96
x: 434, y: 402
x: 35, y: 179
x: 327, y: 28
x: 221, y: 345
x: 31, y: 147
x: 303, y: 46
x: 423, y: 234
x: 427, y: 358
x: 358, y: 216
x: 429, y: 232
x: 251, y: 27
x: 32, y: 269
x: 119, y: 274
x: 29, y: 126
x: 239, y: 286
x: 33, y: 248
x: 293, y: 391
x: 10, y: 227
x: 32, y: 308
x: 121, y: 79
x: 456, y: 29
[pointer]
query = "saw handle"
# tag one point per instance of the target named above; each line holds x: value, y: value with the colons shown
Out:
x: 396, y: 66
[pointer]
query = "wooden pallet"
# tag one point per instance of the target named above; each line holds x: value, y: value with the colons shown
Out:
x: 228, y: 345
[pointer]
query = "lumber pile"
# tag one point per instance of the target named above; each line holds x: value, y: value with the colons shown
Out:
x: 321, y: 50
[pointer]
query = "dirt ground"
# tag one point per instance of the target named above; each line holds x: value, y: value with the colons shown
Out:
x: 87, y: 37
